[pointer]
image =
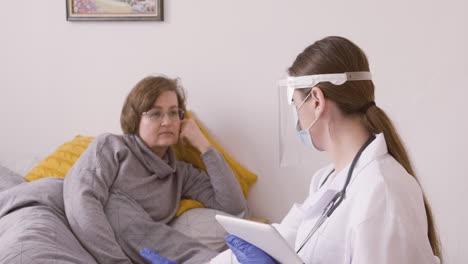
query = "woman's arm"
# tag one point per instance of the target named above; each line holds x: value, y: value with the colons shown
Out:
x: 220, y: 188
x: 86, y: 190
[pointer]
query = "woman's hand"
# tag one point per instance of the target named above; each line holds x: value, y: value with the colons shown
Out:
x: 191, y: 132
x: 247, y: 253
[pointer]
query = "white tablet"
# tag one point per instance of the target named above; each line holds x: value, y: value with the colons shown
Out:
x: 263, y: 236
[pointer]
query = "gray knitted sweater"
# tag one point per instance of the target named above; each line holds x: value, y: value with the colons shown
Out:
x: 119, y: 197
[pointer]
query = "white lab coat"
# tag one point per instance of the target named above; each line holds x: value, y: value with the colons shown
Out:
x: 382, y: 220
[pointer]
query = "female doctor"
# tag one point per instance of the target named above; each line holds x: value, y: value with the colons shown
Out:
x: 366, y: 207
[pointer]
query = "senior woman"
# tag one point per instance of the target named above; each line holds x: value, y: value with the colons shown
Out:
x: 124, y: 189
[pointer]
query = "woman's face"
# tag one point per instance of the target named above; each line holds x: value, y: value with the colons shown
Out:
x: 160, y: 126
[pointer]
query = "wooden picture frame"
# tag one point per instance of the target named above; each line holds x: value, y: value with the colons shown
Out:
x: 114, y: 10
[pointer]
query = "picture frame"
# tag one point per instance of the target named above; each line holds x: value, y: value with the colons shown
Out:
x: 114, y: 10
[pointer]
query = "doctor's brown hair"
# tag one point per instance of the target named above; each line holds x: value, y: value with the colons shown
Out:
x: 142, y: 97
x: 337, y: 55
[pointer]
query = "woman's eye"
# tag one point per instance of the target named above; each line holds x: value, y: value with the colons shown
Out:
x: 173, y: 113
x: 156, y: 114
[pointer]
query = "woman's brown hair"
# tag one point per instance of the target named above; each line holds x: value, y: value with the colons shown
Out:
x: 339, y: 55
x: 142, y: 97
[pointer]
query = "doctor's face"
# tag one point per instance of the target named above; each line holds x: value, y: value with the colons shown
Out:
x: 160, y: 126
x: 309, y: 113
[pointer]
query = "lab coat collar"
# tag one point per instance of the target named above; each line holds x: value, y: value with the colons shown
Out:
x: 376, y: 149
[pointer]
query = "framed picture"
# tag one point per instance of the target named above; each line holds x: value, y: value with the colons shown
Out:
x: 114, y: 10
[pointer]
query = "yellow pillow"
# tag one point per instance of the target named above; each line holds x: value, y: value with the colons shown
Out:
x: 59, y: 163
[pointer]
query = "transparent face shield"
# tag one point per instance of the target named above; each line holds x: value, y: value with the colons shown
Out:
x: 292, y: 151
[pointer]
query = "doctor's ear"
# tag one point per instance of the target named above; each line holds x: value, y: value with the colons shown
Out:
x: 318, y: 98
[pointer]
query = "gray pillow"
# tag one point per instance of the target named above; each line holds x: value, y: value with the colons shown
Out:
x: 9, y: 178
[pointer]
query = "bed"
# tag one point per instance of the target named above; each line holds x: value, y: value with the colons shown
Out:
x: 34, y: 229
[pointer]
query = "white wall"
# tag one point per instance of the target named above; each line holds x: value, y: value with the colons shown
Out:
x: 60, y: 78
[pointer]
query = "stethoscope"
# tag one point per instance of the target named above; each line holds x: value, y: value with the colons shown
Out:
x: 339, y: 197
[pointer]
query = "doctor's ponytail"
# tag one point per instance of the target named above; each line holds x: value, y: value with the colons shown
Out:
x: 338, y: 55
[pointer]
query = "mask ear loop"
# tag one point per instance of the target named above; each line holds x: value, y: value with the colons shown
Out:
x: 316, y: 119
x: 303, y: 101
x: 297, y: 112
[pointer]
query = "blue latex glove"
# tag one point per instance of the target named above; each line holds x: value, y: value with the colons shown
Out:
x: 154, y: 258
x: 247, y: 253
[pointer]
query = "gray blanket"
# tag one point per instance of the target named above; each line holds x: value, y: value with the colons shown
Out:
x: 33, y: 227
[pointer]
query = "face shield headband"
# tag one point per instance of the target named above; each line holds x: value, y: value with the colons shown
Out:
x: 310, y: 81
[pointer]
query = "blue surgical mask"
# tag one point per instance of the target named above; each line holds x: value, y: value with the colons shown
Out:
x: 305, y: 137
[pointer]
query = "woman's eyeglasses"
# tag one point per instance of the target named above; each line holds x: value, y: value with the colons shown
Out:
x: 157, y: 115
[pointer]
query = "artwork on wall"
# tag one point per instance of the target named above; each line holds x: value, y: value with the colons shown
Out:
x: 114, y: 10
